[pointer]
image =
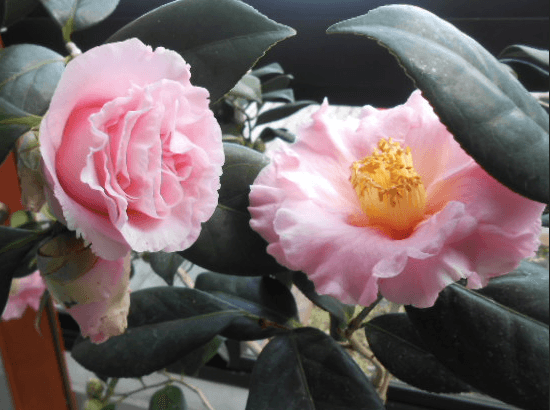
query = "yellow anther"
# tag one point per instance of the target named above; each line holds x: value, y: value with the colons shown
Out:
x: 389, y: 189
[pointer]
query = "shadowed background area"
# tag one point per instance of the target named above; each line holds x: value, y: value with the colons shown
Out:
x: 347, y: 69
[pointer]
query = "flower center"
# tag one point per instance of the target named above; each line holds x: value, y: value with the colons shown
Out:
x: 389, y: 189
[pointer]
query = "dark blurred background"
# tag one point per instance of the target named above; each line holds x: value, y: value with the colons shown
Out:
x: 347, y: 69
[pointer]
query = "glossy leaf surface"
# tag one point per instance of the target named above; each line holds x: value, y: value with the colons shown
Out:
x: 164, y: 303
x: 164, y: 324
x: 307, y: 370
x: 490, y: 346
x: 269, y: 134
x: 84, y: 13
x: 165, y: 264
x: 395, y: 342
x: 285, y: 95
x: 486, y: 108
x: 16, y: 252
x: 283, y: 111
x: 279, y: 82
x: 525, y: 290
x: 227, y: 243
x: 248, y: 87
x: 263, y: 296
x: 535, y: 57
x: 28, y: 77
x: 192, y: 362
x: 325, y: 302
x: 220, y: 39
x: 270, y: 69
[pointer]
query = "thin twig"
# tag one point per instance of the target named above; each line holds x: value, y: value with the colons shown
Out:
x: 381, y: 378
x: 191, y: 387
x: 124, y: 396
x: 110, y: 389
x: 185, y: 278
x: 356, y: 321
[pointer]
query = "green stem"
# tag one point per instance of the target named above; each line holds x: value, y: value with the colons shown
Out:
x: 110, y: 389
x: 356, y: 321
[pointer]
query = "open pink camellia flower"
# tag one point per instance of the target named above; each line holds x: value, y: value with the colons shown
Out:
x: 24, y: 292
x: 94, y: 291
x: 131, y: 152
x: 388, y: 204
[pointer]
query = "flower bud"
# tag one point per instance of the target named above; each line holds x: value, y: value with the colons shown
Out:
x: 94, y: 388
x: 94, y: 290
x: 30, y: 172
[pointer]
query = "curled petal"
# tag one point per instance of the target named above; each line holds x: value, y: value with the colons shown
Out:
x: 304, y: 205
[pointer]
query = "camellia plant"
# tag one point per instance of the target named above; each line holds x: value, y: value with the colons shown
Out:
x: 147, y: 147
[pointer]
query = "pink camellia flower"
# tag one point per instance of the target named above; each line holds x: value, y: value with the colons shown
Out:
x: 390, y: 204
x: 24, y: 292
x: 93, y: 290
x: 132, y: 153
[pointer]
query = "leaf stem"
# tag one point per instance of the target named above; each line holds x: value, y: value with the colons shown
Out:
x: 381, y: 378
x: 191, y: 387
x: 355, y: 323
x: 110, y: 389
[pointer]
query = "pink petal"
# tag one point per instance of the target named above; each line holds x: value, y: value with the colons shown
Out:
x: 303, y: 204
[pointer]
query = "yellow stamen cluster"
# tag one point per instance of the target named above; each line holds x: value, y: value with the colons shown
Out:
x: 390, y: 191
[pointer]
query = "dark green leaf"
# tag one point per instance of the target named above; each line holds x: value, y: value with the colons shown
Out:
x: 165, y: 264
x: 5, y: 284
x: 110, y: 406
x: 248, y: 87
x: 28, y: 77
x: 286, y: 95
x: 15, y: 10
x: 270, y: 69
x: 325, y: 302
x: 277, y: 83
x: 269, y: 134
x: 525, y: 290
x: 262, y: 296
x: 17, y: 248
x: 533, y: 57
x: 168, y: 398
x: 545, y: 220
x: 489, y: 112
x: 164, y: 324
x: 492, y: 347
x: 283, y: 111
x: 84, y: 13
x: 226, y: 243
x: 307, y: 370
x: 395, y: 342
x: 220, y: 39
x: 192, y: 362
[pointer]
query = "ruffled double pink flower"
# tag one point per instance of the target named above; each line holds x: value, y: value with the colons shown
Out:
x: 132, y: 157
x: 132, y: 152
x: 388, y: 204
